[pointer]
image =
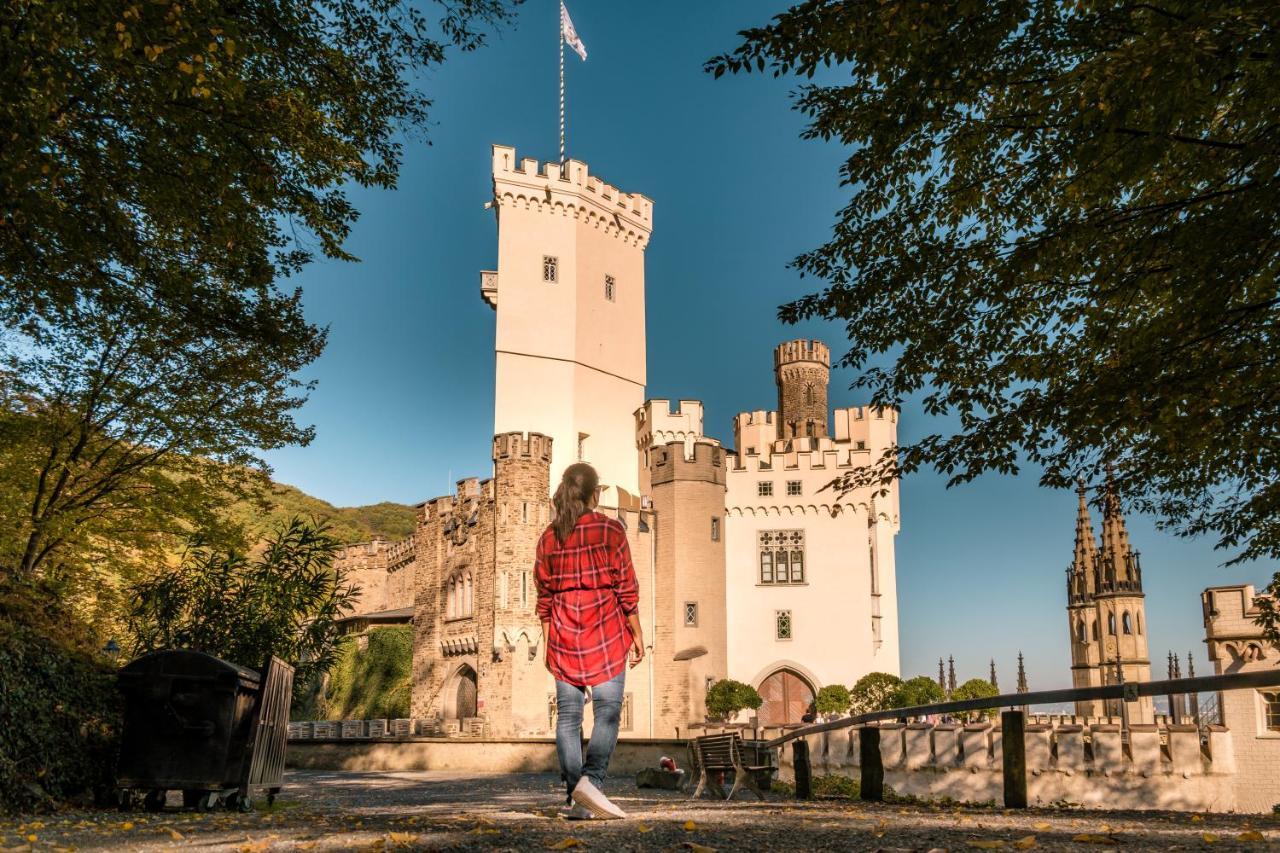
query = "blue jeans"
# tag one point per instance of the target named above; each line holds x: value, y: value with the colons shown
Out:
x: 606, y: 699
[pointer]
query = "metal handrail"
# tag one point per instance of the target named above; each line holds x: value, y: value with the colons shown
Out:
x: 1129, y: 691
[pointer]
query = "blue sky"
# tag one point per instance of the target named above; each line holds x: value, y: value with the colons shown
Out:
x: 404, y: 403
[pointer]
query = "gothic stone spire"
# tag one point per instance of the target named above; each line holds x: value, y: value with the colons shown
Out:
x: 994, y: 682
x: 951, y: 675
x: 942, y: 677
x: 1022, y: 675
x: 1086, y: 551
x: 1119, y: 565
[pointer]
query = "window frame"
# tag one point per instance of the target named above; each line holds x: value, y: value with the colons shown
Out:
x: 551, y: 269
x: 610, y: 288
x: 764, y: 488
x: 783, y: 623
x: 691, y: 609
x: 795, y: 488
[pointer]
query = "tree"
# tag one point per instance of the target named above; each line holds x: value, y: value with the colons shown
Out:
x: 921, y: 690
x: 285, y: 601
x: 727, y: 697
x: 976, y: 688
x: 833, y: 699
x: 875, y: 691
x: 1062, y: 234
x: 163, y: 165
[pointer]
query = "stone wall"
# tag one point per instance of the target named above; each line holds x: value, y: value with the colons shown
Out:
x: 1063, y: 765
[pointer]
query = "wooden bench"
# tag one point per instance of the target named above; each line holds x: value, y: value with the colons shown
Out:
x: 711, y: 756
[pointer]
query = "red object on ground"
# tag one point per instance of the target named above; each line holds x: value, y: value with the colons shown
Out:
x: 668, y: 764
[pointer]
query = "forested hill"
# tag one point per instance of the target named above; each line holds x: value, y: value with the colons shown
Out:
x: 348, y: 524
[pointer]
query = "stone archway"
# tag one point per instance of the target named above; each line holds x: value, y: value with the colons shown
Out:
x: 460, y: 695
x: 787, y: 696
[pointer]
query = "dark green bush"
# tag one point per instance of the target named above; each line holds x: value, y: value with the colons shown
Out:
x: 836, y: 787
x: 60, y: 714
x: 727, y: 697
x: 371, y: 683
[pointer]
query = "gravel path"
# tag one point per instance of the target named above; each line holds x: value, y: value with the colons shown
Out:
x: 439, y: 810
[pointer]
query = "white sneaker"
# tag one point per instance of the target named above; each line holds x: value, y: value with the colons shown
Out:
x: 577, y: 812
x: 588, y: 795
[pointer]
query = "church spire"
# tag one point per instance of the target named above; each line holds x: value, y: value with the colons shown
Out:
x: 994, y: 682
x: 951, y: 675
x: 942, y: 677
x: 1119, y: 563
x: 1081, y: 580
x: 1022, y: 675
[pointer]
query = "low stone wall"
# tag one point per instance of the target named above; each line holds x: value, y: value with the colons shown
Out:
x: 965, y: 763
x: 529, y: 755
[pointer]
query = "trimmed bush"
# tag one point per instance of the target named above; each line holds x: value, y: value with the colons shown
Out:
x: 833, y: 699
x: 727, y: 697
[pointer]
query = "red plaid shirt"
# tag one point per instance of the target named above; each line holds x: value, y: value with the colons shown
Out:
x: 586, y: 589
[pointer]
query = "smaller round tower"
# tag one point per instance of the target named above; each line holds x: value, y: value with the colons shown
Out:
x: 802, y: 370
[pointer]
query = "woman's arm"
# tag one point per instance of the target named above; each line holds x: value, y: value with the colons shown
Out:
x: 627, y: 589
x: 637, y: 638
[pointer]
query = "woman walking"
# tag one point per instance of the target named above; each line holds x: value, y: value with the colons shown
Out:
x: 588, y: 601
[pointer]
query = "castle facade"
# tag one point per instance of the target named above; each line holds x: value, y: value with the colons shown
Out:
x: 748, y: 567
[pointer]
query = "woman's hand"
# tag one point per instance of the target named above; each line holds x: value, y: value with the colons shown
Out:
x: 637, y: 649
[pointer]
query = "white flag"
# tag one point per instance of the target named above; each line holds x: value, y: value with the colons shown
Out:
x: 570, y: 34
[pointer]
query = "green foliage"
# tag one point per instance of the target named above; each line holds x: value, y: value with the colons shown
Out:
x: 832, y: 786
x: 921, y: 690
x: 875, y: 691
x: 60, y: 714
x: 727, y: 697
x: 373, y: 683
x: 284, y: 602
x: 1059, y: 232
x: 833, y: 699
x: 976, y: 688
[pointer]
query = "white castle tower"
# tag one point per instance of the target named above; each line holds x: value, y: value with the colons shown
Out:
x: 569, y: 293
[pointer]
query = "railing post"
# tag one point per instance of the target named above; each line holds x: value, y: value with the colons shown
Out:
x: 872, y: 785
x: 804, y: 773
x: 1013, y: 748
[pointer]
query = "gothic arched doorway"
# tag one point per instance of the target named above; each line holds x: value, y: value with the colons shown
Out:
x: 786, y: 696
x: 460, y: 696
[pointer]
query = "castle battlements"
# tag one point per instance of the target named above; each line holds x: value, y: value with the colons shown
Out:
x: 830, y: 457
x: 532, y: 446
x: 573, y: 190
x: 659, y: 422
x: 675, y: 461
x: 801, y: 350
x: 964, y: 762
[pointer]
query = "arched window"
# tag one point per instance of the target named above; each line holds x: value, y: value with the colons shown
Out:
x: 1126, y: 623
x: 450, y: 600
x: 466, y: 595
x: 1080, y: 631
x: 1094, y: 626
x: 1111, y: 624
x: 808, y: 394
x: 1138, y: 616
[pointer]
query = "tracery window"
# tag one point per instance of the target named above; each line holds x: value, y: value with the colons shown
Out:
x: 1111, y: 624
x: 550, y: 269
x: 1270, y: 709
x: 781, y: 554
x: 782, y: 624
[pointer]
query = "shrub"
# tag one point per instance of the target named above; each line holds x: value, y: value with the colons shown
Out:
x: 60, y: 718
x: 836, y: 787
x: 373, y: 683
x: 976, y: 688
x: 833, y: 699
x: 875, y: 691
x: 921, y: 690
x: 727, y: 697
x: 284, y: 601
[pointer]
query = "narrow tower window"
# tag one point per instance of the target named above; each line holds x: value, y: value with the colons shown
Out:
x: 715, y: 529
x: 691, y: 614
x: 550, y: 269
x: 1126, y: 622
x: 610, y: 288
x: 1111, y: 624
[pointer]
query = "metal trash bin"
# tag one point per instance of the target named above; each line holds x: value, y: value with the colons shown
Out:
x: 207, y: 727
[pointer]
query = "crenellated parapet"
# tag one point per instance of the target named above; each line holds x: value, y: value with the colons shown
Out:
x: 661, y: 421
x: 964, y: 762
x: 510, y: 446
x: 671, y: 462
x: 570, y: 190
x: 801, y: 351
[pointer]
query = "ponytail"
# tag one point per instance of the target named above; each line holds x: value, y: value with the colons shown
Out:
x: 572, y: 498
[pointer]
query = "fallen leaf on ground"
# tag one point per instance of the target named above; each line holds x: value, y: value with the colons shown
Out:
x: 126, y: 826
x: 987, y: 844
x: 401, y: 838
x: 1251, y: 835
x: 565, y: 844
x: 690, y: 826
x: 1209, y: 838
x: 1195, y: 818
x: 175, y: 835
x: 1043, y: 827
x: 1089, y: 838
x: 644, y: 827
x: 1025, y: 843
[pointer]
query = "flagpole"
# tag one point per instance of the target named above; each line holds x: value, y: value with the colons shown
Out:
x: 561, y: 29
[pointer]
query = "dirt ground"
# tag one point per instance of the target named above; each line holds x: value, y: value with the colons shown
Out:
x: 439, y: 810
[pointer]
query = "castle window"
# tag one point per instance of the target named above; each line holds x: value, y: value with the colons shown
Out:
x: 1080, y: 631
x: 781, y: 556
x: 751, y: 451
x: 808, y: 429
x: 524, y: 512
x: 764, y: 488
x: 610, y: 288
x: 715, y: 529
x: 1138, y: 618
x: 1094, y: 626
x: 793, y: 487
x: 1270, y: 709
x: 582, y: 446
x: 691, y: 614
x: 550, y: 269
x: 782, y: 624
x: 861, y: 445
x: 466, y: 595
x: 1126, y: 623
x: 808, y: 394
x: 875, y: 570
x: 524, y: 589
x: 1111, y: 624
x: 503, y: 579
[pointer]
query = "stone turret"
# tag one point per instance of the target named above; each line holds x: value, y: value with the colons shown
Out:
x: 803, y: 371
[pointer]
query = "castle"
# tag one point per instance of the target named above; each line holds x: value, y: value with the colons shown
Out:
x: 748, y: 568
